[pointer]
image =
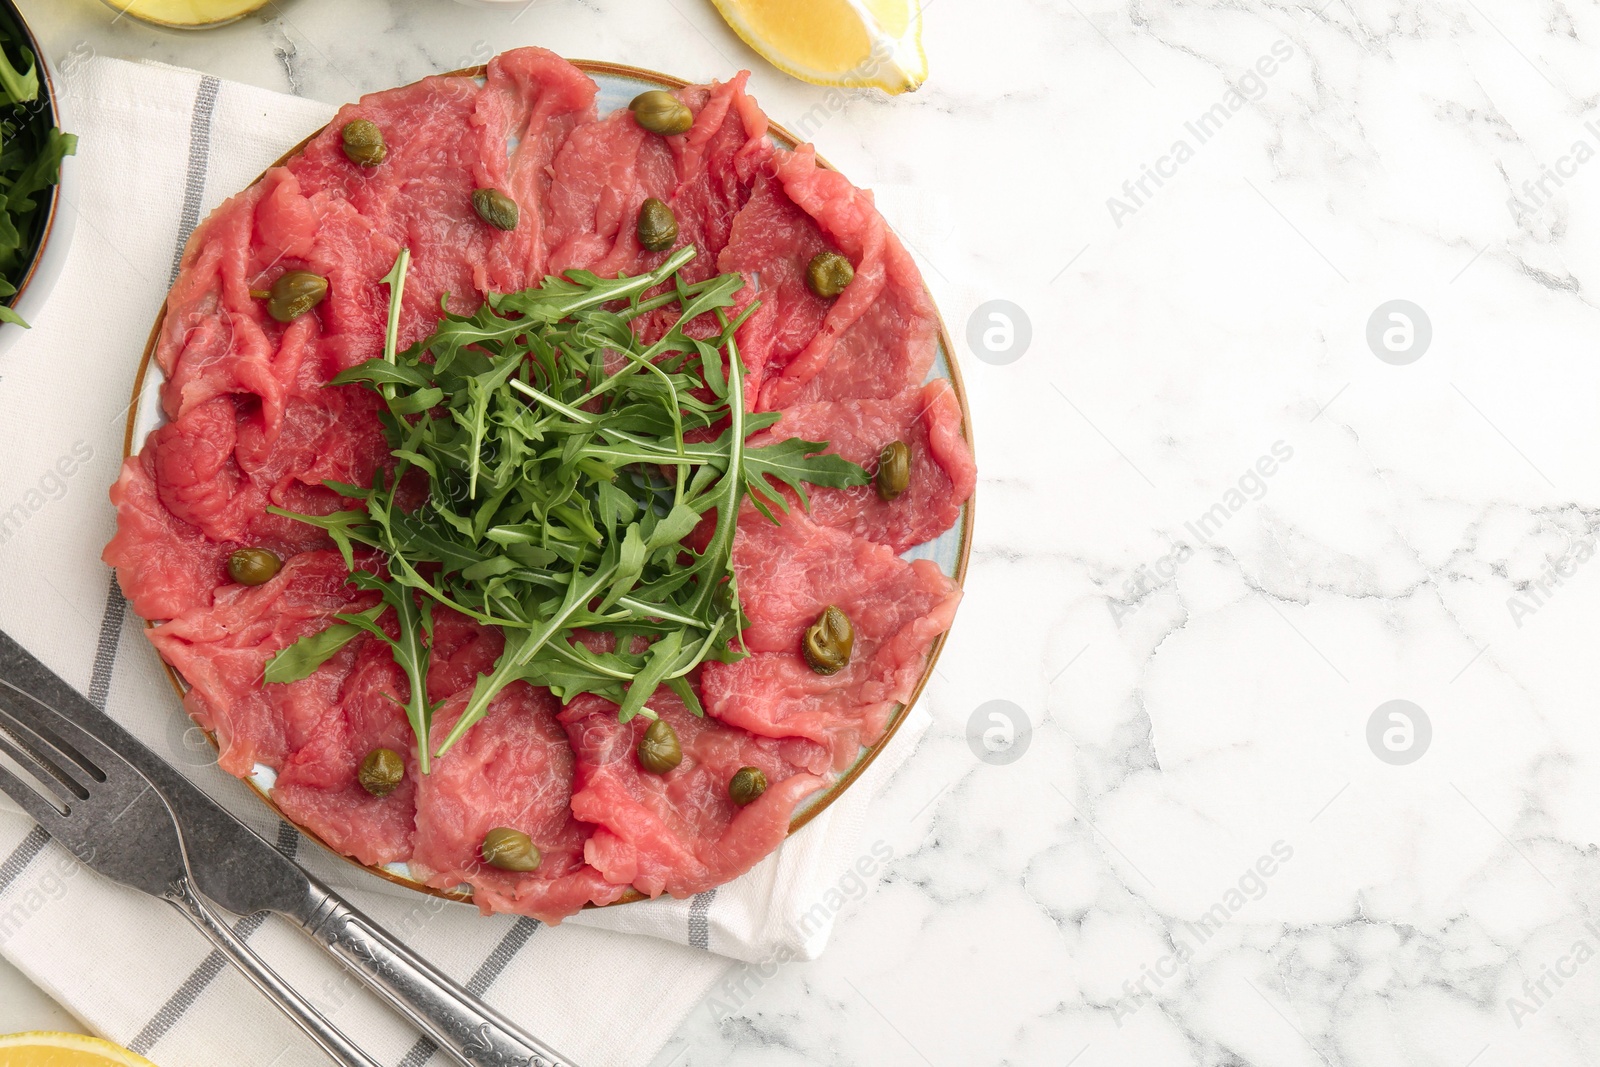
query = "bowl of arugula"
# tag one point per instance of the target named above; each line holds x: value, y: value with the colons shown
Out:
x: 34, y: 228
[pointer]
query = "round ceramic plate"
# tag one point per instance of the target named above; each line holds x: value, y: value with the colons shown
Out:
x: 618, y: 85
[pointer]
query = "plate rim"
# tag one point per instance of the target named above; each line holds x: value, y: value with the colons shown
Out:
x: 837, y: 788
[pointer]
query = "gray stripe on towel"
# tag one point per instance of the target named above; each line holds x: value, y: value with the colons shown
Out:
x: 288, y: 841
x: 105, y: 653
x: 190, y: 990
x: 481, y: 980
x: 21, y: 856
x: 194, y: 183
x: 205, y: 103
x: 420, y: 1053
x: 699, y: 922
x: 503, y: 954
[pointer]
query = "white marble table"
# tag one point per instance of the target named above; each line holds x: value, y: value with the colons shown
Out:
x: 1229, y: 509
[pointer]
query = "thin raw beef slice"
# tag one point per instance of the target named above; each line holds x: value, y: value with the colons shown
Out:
x: 679, y: 832
x: 789, y: 573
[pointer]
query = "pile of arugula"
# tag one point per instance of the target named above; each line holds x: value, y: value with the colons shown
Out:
x: 564, y: 472
x: 31, y: 151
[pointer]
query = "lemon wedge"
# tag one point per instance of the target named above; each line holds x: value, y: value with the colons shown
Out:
x: 41, y: 1049
x: 836, y: 42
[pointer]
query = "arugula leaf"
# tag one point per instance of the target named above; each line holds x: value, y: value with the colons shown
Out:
x: 516, y: 657
x: 563, y: 479
x: 795, y: 462
x: 410, y: 650
x: 19, y: 86
x: 380, y: 371
x: 663, y: 655
x: 43, y: 171
x: 343, y: 527
x: 396, y: 281
x: 301, y: 659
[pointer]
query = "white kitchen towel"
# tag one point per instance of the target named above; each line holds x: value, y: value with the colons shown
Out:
x: 159, y: 148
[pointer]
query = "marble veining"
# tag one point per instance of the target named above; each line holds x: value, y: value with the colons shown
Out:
x: 1216, y: 846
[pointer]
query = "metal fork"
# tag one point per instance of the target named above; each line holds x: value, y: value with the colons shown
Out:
x: 107, y: 814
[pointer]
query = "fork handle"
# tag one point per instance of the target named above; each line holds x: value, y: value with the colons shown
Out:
x: 463, y: 1026
x: 341, y: 1049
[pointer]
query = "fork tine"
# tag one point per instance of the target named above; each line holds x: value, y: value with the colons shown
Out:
x: 31, y: 801
x: 41, y: 769
x: 69, y: 738
x: 45, y: 752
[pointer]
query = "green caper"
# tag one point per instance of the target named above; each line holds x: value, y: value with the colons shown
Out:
x: 658, y: 226
x: 747, y: 784
x: 660, y: 112
x: 659, y: 752
x: 828, y: 273
x: 294, y: 294
x: 253, y: 566
x: 894, y: 470
x: 495, y: 208
x: 510, y: 850
x: 381, y: 771
x: 828, y: 642
x: 363, y: 142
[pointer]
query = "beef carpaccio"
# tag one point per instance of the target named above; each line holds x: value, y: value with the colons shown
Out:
x: 252, y: 422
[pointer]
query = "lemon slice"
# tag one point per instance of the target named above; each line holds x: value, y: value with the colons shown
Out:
x: 836, y: 42
x: 41, y: 1049
x: 187, y: 14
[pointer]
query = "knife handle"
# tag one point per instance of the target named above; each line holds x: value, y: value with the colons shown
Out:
x: 473, y: 1033
x: 341, y: 1049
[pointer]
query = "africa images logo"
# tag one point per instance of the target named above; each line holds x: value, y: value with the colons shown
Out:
x: 1251, y: 885
x: 51, y: 486
x: 1249, y: 87
x: 1536, y: 194
x: 1250, y: 487
x: 1535, y: 593
x: 999, y: 732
